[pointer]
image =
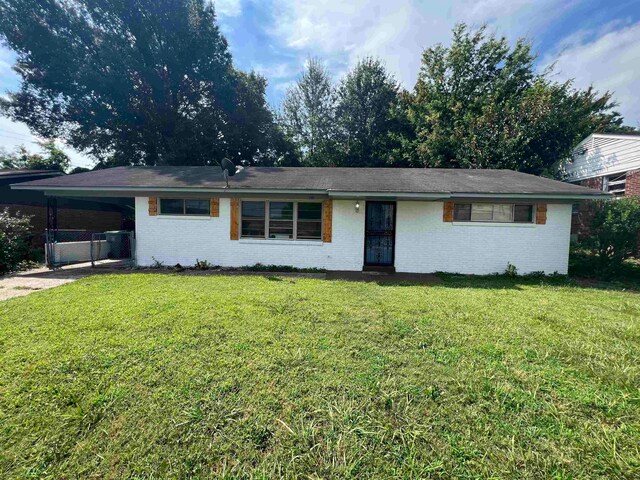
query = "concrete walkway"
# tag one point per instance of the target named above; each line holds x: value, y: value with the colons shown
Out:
x: 384, y: 278
x: 24, y: 283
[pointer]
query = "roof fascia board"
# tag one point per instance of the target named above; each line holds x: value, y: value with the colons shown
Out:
x: 146, y: 191
x: 535, y: 196
x: 404, y: 195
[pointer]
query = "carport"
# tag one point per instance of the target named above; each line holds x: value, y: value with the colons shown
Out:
x: 75, y: 246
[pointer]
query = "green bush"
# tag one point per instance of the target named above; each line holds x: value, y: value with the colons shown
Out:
x: 14, y: 240
x: 615, y: 231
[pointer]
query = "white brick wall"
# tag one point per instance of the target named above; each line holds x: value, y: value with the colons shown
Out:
x: 173, y: 239
x: 424, y: 243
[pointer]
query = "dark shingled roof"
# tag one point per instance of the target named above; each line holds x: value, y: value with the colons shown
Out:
x: 23, y: 172
x: 372, y: 180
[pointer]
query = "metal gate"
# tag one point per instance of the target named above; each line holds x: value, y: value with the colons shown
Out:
x: 66, y: 247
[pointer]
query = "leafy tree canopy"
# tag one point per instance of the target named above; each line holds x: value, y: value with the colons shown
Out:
x: 368, y: 116
x: 135, y: 82
x: 52, y: 158
x: 481, y: 103
x: 308, y: 116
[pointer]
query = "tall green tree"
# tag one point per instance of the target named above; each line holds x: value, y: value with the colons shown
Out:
x: 308, y: 116
x: 52, y: 158
x: 481, y: 103
x: 133, y: 82
x: 367, y: 116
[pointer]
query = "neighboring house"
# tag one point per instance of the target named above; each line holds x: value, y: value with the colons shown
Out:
x: 73, y: 213
x: 408, y: 220
x: 606, y: 162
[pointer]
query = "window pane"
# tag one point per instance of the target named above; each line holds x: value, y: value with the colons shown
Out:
x: 253, y: 221
x: 281, y: 211
x: 281, y: 229
x: 196, y: 207
x: 253, y: 228
x: 523, y: 213
x: 309, y: 211
x: 171, y: 206
x: 253, y: 210
x: 309, y: 230
x: 502, y: 213
x: 462, y: 212
x: 482, y: 212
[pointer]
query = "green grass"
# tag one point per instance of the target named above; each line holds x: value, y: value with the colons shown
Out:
x: 167, y: 376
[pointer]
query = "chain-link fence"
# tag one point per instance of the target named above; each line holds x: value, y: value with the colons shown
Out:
x: 65, y: 247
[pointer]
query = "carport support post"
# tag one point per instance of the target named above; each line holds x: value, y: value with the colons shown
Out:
x: 52, y: 226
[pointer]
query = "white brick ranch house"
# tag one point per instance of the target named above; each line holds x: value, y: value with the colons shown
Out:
x: 405, y: 220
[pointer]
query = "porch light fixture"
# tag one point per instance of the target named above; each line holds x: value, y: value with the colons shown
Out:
x: 357, y: 206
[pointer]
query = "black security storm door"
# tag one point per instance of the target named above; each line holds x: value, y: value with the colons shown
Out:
x: 380, y: 233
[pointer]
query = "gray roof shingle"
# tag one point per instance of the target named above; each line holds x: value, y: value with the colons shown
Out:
x: 371, y: 180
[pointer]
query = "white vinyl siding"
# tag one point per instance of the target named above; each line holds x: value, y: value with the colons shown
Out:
x: 603, y: 154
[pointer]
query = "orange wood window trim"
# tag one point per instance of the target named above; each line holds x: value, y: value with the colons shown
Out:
x: 541, y: 213
x: 447, y: 212
x: 327, y: 218
x: 153, y: 206
x: 214, y: 209
x: 234, y: 233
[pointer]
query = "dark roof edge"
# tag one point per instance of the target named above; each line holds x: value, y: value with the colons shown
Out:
x: 331, y: 193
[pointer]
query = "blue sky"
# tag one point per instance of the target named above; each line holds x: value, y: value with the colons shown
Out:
x: 593, y: 41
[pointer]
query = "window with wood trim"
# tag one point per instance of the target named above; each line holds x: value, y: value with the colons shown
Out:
x: 493, y: 212
x: 281, y: 220
x: 185, y: 206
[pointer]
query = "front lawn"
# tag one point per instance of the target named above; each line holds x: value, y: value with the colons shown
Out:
x: 166, y: 376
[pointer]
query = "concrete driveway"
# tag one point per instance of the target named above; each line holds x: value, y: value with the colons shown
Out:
x: 24, y: 283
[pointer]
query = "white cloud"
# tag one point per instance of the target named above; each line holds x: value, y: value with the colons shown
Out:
x: 279, y: 70
x: 344, y: 31
x: 5, y: 68
x: 228, y: 8
x: 282, y: 87
x: 7, y: 76
x: 608, y: 61
x: 398, y: 31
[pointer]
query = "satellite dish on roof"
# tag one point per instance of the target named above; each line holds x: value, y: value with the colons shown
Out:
x: 228, y: 166
x: 228, y: 169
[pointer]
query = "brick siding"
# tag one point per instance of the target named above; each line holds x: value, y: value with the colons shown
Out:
x: 581, y: 221
x: 424, y: 243
x: 632, y: 186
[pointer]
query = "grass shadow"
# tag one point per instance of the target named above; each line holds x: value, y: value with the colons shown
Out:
x: 587, y: 272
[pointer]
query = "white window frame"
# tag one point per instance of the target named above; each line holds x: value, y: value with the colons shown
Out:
x: 295, y: 220
x: 184, y: 207
x: 509, y: 222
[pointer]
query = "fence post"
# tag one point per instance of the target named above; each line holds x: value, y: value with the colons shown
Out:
x: 132, y: 249
x: 91, y: 247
